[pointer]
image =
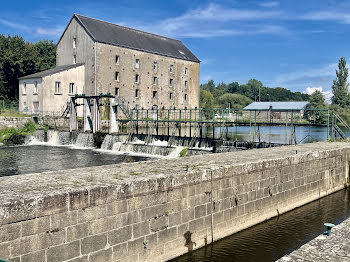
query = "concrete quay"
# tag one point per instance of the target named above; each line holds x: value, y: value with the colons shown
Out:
x: 323, y: 248
x: 157, y: 210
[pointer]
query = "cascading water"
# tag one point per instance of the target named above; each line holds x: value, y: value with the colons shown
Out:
x: 110, y: 140
x: 85, y: 140
x: 58, y: 137
x: 37, y: 137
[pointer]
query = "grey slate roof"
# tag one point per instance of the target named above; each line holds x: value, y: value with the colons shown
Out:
x: 122, y: 36
x: 283, y: 106
x: 51, y: 71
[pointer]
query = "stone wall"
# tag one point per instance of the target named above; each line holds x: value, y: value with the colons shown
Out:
x: 155, y: 211
x: 16, y: 122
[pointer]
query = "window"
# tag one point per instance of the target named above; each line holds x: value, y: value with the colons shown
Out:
x: 35, y: 87
x: 171, y: 96
x: 24, y: 88
x: 74, y: 42
x: 186, y: 84
x: 171, y: 82
x: 154, y: 94
x: 137, y: 63
x: 117, y: 76
x: 137, y: 93
x: 171, y: 68
x: 155, y: 65
x: 74, y: 59
x: 71, y: 88
x: 36, y: 107
x: 117, y: 59
x: 155, y: 80
x: 137, y: 78
x: 186, y: 70
x: 116, y: 91
x: 57, y: 87
x: 186, y: 97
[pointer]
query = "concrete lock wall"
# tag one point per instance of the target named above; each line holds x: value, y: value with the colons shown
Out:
x: 155, y: 211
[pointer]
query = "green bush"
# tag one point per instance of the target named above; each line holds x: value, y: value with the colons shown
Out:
x: 13, y: 136
x: 184, y: 152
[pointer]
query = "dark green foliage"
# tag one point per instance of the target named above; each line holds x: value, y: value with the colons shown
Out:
x: 341, y: 86
x: 236, y: 101
x: 206, y: 99
x: 244, y: 94
x: 19, y: 58
x: 13, y: 136
x: 316, y: 102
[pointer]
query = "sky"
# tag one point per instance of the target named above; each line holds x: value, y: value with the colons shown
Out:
x: 288, y: 43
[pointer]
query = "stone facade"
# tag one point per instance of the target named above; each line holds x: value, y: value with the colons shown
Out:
x: 155, y: 211
x: 101, y: 67
x: 143, y: 98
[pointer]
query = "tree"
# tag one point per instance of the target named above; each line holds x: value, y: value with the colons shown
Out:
x: 206, y: 99
x: 210, y: 86
x: 235, y: 101
x: 341, y: 86
x: 317, y: 101
x: 255, y: 86
x: 19, y: 58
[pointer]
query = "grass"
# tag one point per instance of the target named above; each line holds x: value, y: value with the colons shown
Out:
x: 10, y: 113
x: 184, y: 152
x: 133, y: 173
x: 13, y: 136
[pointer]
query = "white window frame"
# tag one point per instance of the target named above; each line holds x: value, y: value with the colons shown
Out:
x: 171, y: 96
x: 24, y: 88
x: 171, y: 82
x: 74, y: 42
x: 155, y: 66
x: 186, y: 84
x: 35, y: 91
x: 186, y: 71
x: 117, y: 59
x: 71, y: 88
x: 137, y: 78
x: 74, y: 59
x: 155, y: 80
x: 137, y: 63
x: 171, y: 68
x: 116, y: 76
x: 57, y: 87
x: 116, y: 90
x: 186, y: 97
x: 137, y: 93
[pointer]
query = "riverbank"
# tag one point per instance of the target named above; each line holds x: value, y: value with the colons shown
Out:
x: 324, y: 248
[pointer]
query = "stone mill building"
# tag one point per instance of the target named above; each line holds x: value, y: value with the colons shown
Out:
x: 93, y: 57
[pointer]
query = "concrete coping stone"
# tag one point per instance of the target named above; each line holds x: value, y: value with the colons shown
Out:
x: 58, y: 189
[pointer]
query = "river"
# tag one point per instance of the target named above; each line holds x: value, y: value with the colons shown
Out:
x: 271, y: 240
x: 39, y: 158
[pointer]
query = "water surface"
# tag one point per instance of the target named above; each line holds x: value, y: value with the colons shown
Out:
x: 38, y: 158
x: 276, y: 237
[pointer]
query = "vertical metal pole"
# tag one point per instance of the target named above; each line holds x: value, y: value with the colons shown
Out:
x: 250, y: 126
x: 327, y: 125
x: 157, y: 131
x: 254, y: 139
x: 190, y: 122
x: 168, y: 122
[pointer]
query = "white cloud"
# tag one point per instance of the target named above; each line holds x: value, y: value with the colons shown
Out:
x: 14, y: 25
x: 214, y: 21
x: 328, y: 15
x: 270, y: 4
x: 49, y: 31
x: 327, y: 93
x: 311, y: 90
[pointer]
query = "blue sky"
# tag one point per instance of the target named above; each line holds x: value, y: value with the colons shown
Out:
x: 289, y: 43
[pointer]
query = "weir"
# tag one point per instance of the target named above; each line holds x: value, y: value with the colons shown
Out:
x: 155, y: 211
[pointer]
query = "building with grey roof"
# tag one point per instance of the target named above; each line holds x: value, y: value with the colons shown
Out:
x: 148, y: 70
x: 277, y: 106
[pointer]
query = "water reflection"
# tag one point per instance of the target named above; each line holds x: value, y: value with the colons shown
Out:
x: 274, y: 238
